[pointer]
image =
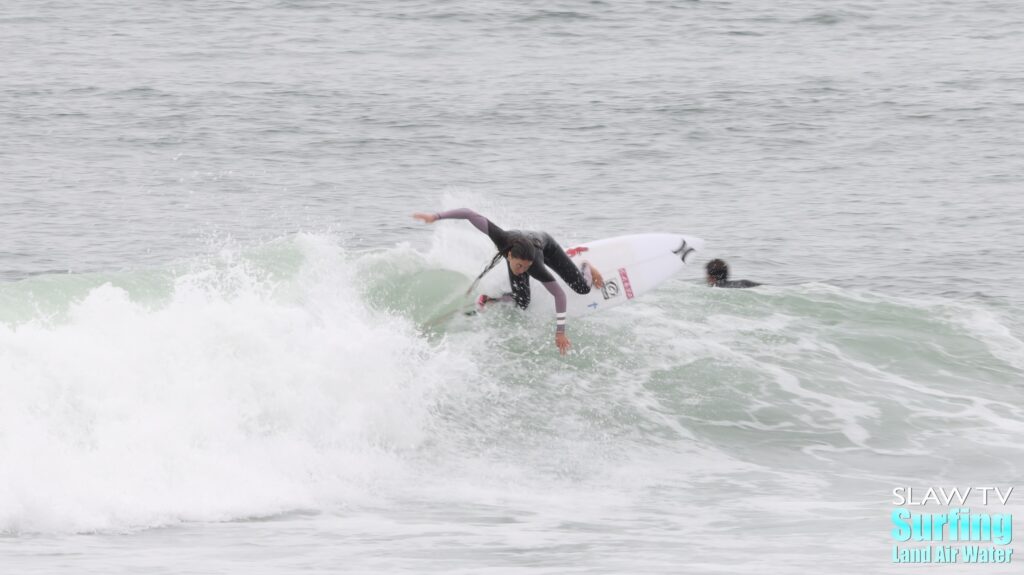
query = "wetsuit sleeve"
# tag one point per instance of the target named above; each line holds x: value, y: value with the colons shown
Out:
x: 736, y: 284
x: 559, y: 294
x: 497, y: 235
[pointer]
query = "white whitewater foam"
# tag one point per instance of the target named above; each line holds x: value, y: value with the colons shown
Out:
x: 225, y: 402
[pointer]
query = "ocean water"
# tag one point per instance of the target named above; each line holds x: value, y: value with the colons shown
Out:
x: 219, y: 346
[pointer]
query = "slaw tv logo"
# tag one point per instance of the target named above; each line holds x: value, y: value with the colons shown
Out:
x: 964, y: 531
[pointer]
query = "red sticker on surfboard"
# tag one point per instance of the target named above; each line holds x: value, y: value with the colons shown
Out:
x: 573, y: 252
x: 625, y: 283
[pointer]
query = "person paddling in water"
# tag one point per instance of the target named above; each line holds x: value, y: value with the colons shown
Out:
x: 528, y: 254
x: 718, y: 276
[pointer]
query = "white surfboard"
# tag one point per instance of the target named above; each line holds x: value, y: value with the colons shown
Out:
x: 630, y: 265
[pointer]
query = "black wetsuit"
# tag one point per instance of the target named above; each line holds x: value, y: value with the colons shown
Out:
x: 735, y: 284
x: 547, y: 254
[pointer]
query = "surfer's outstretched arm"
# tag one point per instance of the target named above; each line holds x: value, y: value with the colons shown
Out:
x: 497, y: 235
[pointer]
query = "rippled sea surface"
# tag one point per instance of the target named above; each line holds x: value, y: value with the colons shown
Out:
x: 217, y: 351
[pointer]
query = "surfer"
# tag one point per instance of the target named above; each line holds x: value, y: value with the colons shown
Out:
x: 718, y: 276
x: 528, y: 254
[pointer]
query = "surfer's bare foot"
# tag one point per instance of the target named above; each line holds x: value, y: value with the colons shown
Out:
x: 596, y: 276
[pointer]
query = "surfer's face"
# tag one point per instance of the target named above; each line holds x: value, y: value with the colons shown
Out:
x: 519, y: 265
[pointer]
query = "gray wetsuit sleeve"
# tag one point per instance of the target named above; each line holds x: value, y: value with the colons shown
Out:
x: 497, y: 235
x: 559, y: 294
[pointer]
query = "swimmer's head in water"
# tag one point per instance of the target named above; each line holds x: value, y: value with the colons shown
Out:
x: 520, y: 255
x: 717, y: 271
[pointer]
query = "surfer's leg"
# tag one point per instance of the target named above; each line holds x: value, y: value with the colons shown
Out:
x: 520, y: 288
x: 578, y: 279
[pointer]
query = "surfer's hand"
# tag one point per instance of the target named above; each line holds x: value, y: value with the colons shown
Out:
x: 596, y: 275
x: 425, y: 218
x: 562, y: 342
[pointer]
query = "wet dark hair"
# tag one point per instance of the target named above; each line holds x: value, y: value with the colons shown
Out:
x: 519, y: 247
x: 522, y: 248
x: 718, y: 270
